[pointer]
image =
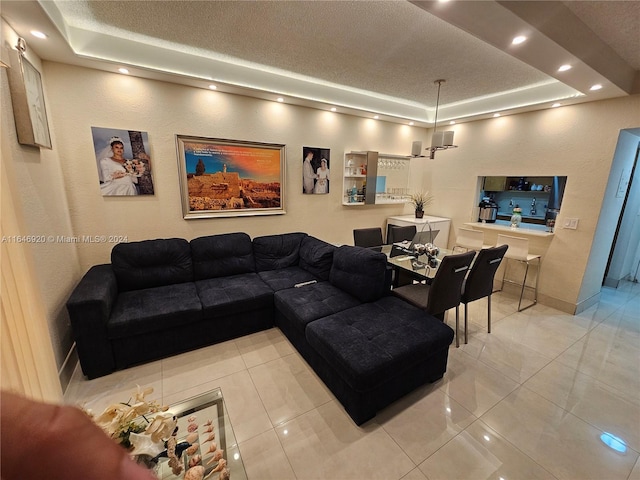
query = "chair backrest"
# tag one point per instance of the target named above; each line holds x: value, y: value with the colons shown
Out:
x: 470, y: 239
x: 479, y: 282
x: 401, y: 233
x: 518, y: 246
x: 367, y: 237
x: 446, y: 286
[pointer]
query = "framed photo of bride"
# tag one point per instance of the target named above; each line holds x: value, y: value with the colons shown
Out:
x: 315, y: 170
x: 123, y: 161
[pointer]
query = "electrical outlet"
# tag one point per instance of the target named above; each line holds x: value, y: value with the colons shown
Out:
x: 570, y: 223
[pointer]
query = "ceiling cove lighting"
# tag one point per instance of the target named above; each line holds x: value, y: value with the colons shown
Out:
x: 564, y: 68
x: 212, y: 87
x: 595, y: 87
x: 376, y: 117
x: 411, y: 124
x: 440, y: 140
x: 39, y: 34
x: 556, y: 105
x: 518, y: 40
x: 124, y: 71
x: 334, y: 109
x: 496, y: 115
x: 280, y: 99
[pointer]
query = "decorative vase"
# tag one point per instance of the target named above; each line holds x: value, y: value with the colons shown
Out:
x: 419, y: 213
x: 516, y: 218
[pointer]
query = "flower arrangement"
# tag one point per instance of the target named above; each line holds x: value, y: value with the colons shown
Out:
x: 121, y: 420
x: 517, y: 210
x: 419, y: 200
x: 149, y: 433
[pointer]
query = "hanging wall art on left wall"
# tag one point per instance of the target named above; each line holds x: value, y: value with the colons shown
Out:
x: 123, y: 161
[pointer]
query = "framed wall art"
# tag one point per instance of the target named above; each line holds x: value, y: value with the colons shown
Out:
x: 315, y: 170
x: 27, y: 97
x: 123, y: 161
x: 229, y: 178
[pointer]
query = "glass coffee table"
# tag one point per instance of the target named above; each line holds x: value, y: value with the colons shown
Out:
x: 207, y: 408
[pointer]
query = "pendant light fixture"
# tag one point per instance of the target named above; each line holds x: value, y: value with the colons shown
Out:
x: 440, y: 140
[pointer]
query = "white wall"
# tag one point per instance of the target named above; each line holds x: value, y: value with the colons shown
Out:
x: 60, y: 192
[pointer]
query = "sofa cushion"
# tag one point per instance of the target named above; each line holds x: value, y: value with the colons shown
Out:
x: 372, y: 342
x: 310, y: 302
x: 152, y: 263
x: 234, y: 294
x: 286, y: 277
x: 154, y: 309
x: 222, y: 255
x: 316, y: 257
x: 277, y: 251
x: 360, y: 272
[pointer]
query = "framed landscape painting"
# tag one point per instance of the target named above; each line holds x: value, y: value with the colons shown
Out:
x: 229, y: 178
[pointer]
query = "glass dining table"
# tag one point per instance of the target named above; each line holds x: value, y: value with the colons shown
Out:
x: 419, y: 264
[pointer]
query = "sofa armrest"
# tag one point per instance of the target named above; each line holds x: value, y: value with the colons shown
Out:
x: 89, y: 308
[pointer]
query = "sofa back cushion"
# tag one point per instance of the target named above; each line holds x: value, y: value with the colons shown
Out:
x: 222, y: 255
x: 152, y: 263
x: 277, y: 251
x: 316, y: 257
x: 359, y: 272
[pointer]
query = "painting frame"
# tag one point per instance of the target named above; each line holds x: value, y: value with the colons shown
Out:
x: 232, y: 178
x: 29, y: 107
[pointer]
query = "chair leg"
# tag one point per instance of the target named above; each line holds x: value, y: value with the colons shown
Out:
x: 504, y: 274
x: 466, y: 340
x: 489, y: 313
x: 457, y: 321
x: 524, y: 283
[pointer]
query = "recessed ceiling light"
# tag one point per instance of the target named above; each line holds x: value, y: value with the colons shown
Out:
x: 518, y: 40
x: 496, y: 115
x: 38, y: 34
x: 123, y: 70
x: 555, y: 105
x: 452, y: 122
x: 597, y: 86
x: 376, y: 117
x: 411, y: 123
x: 564, y: 68
x: 213, y: 87
x: 280, y: 99
x: 334, y: 109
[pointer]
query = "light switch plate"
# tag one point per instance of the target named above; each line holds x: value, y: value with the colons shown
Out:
x: 570, y: 223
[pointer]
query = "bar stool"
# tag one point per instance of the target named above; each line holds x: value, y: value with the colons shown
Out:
x: 519, y: 251
x: 469, y: 239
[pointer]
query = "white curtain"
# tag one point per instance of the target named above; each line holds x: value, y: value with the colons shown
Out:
x: 28, y: 362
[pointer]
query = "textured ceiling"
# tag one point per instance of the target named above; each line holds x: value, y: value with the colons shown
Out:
x: 376, y: 56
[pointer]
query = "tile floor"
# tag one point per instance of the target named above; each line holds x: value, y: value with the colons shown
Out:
x: 531, y: 400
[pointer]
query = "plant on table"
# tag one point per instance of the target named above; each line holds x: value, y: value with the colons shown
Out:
x: 420, y: 200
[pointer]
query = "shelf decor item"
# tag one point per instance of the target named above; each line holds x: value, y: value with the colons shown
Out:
x: 419, y: 200
x: 516, y: 218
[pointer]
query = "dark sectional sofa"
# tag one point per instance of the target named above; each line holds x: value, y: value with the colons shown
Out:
x: 166, y: 296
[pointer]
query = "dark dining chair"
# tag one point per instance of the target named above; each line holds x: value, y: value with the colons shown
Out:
x: 445, y: 289
x: 396, y: 233
x: 479, y: 281
x: 367, y: 237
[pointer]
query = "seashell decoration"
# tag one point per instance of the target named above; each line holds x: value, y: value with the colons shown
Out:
x: 216, y: 456
x: 221, y: 465
x: 192, y: 419
x: 192, y: 437
x: 192, y: 427
x: 195, y: 460
x: 210, y: 437
x: 208, y: 422
x: 195, y: 473
x: 208, y: 429
x: 212, y: 447
x: 192, y: 449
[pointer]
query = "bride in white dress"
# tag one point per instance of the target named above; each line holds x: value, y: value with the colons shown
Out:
x: 322, y: 184
x: 117, y: 179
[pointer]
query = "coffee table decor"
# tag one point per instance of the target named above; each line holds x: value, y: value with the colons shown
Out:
x: 153, y: 433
